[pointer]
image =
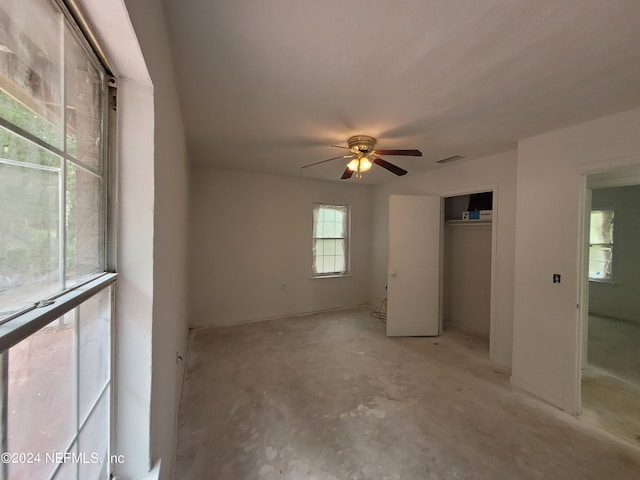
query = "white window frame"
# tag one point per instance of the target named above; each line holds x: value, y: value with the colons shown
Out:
x: 345, y: 237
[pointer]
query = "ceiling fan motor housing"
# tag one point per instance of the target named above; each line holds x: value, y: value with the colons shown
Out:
x: 361, y: 144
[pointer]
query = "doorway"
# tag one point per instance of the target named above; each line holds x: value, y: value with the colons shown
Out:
x: 610, y: 381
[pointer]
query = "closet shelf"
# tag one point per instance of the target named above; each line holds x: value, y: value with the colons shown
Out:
x: 467, y: 222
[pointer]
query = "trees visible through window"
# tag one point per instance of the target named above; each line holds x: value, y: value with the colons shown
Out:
x: 601, y: 245
x: 330, y: 240
x: 55, y: 294
x: 51, y: 162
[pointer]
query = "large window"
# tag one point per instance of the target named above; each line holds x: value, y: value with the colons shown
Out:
x: 55, y: 294
x: 51, y: 160
x: 330, y: 240
x: 601, y: 245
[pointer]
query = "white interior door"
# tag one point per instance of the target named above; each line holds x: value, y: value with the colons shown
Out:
x: 413, y: 281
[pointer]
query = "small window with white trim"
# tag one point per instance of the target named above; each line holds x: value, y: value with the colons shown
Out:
x: 330, y: 240
x: 601, y: 245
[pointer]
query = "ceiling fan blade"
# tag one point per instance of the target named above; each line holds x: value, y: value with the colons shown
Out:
x: 389, y: 166
x: 406, y: 153
x: 347, y: 173
x: 339, y: 146
x: 327, y: 160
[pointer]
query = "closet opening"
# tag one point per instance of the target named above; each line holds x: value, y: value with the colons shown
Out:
x: 467, y: 250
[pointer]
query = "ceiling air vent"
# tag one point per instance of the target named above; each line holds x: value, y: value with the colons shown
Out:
x: 450, y: 159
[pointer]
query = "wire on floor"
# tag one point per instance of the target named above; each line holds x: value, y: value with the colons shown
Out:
x: 381, y: 312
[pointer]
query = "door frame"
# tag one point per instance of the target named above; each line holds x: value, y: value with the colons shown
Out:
x: 494, y: 327
x: 597, y: 178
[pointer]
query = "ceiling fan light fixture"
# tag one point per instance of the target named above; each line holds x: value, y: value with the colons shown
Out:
x: 360, y: 164
x: 353, y: 165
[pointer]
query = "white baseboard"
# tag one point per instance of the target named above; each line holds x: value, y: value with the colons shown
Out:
x: 277, y: 316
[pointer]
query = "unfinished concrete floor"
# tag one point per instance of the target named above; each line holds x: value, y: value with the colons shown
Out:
x: 329, y: 396
x: 613, y: 346
x: 611, y: 380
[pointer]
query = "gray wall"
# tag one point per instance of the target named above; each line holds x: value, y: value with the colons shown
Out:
x: 621, y: 298
x: 467, y: 277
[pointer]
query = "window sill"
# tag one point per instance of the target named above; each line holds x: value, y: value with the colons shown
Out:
x: 598, y: 280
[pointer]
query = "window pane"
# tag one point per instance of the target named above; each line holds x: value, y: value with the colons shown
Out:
x: 600, y: 257
x: 329, y: 230
x: 330, y: 243
x: 340, y: 223
x: 317, y: 264
x: 601, y: 230
x: 51, y: 237
x: 94, y: 349
x: 83, y: 224
x: 84, y: 98
x: 94, y: 442
x: 328, y: 263
x: 68, y: 470
x: 330, y: 222
x: 340, y: 248
x: 341, y: 258
x: 329, y: 247
x: 16, y: 149
x: 601, y: 240
x: 30, y: 68
x: 29, y: 237
x: 41, y: 406
x: 329, y: 215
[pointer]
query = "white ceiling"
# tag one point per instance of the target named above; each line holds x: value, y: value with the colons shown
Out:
x: 268, y: 86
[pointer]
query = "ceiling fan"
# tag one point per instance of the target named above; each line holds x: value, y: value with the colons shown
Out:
x: 364, y: 156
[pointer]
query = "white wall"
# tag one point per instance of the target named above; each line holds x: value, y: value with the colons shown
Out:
x: 251, y: 234
x: 467, y: 277
x: 550, y: 213
x: 466, y: 176
x: 134, y: 297
x: 134, y: 290
x: 151, y: 305
x: 170, y: 214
